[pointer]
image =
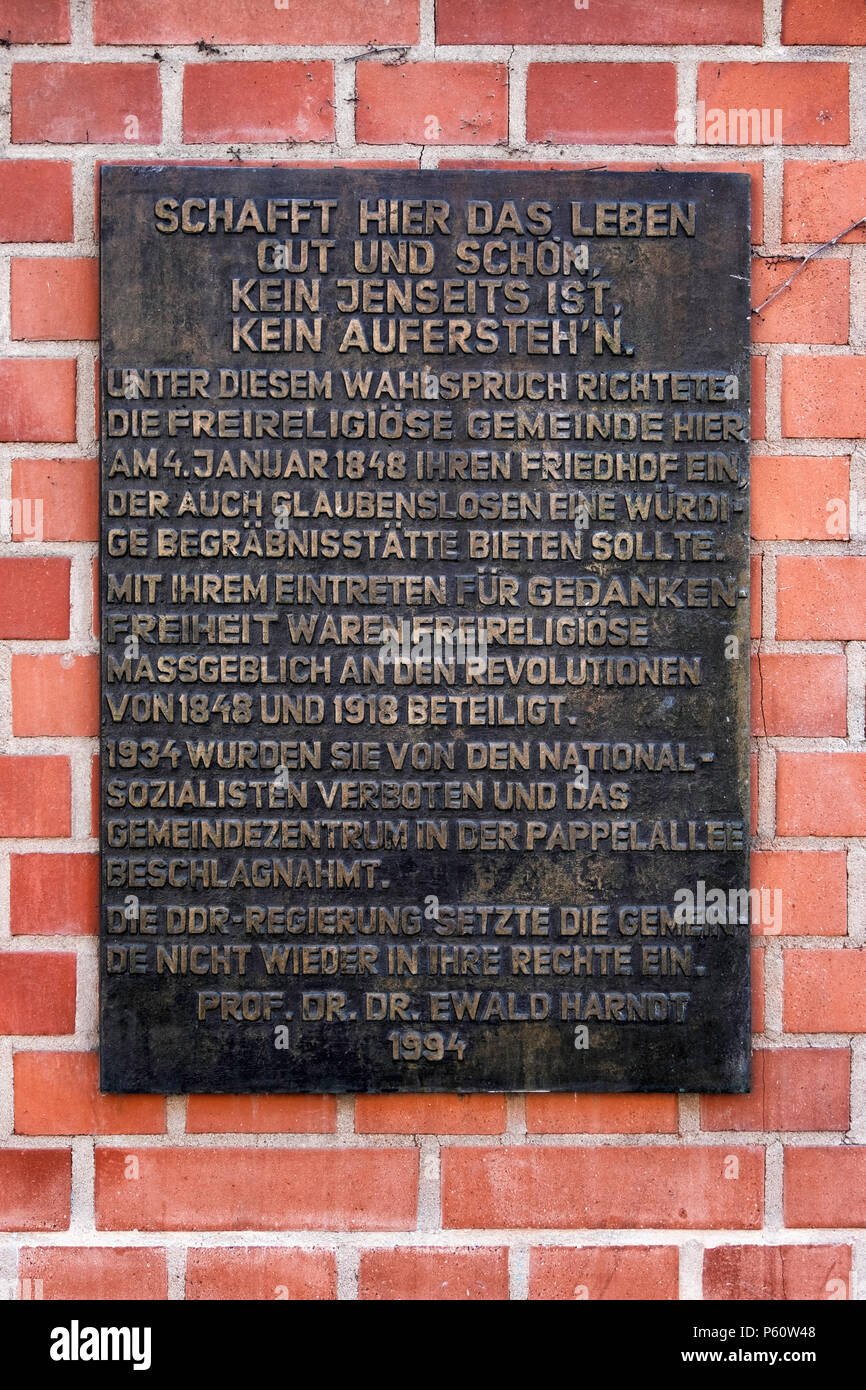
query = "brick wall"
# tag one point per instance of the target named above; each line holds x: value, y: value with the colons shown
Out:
x: 483, y: 1197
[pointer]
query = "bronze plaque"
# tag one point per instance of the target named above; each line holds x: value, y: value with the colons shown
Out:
x: 425, y: 630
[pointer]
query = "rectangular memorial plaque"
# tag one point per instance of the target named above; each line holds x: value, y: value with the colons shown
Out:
x: 425, y: 640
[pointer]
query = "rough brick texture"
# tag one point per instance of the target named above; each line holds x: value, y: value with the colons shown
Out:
x: 812, y: 99
x: 812, y: 309
x: 432, y: 103
x: 94, y: 1272
x: 85, y: 103
x: 567, y: 1114
x: 257, y: 102
x: 255, y: 21
x: 822, y: 198
x: 35, y: 200
x: 35, y: 797
x: 616, y: 22
x: 464, y: 1276
x: 792, y: 1089
x: 37, y: 400
x: 35, y: 1189
x: 601, y: 103
x: 58, y: 1093
x: 605, y: 1188
x: 825, y: 991
x: 256, y: 1189
x: 823, y: 21
x: 60, y: 495
x: 745, y: 1272
x: 34, y: 598
x: 799, y: 695
x: 628, y: 1273
x: 242, y: 1272
x: 54, y: 297
x: 261, y: 1115
x: 821, y: 794
x: 430, y: 1114
x: 825, y: 1187
x: 37, y: 992
x: 813, y: 889
x: 800, y: 499
x: 821, y: 597
x: 565, y: 1197
x: 53, y: 893
x: 55, y: 695
x: 35, y: 21
x: 824, y: 397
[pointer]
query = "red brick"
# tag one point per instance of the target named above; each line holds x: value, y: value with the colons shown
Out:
x: 825, y: 991
x: 35, y: 1189
x: 35, y: 200
x: 431, y: 103
x: 757, y: 990
x: 676, y: 1187
x: 615, y: 22
x: 35, y: 797
x: 753, y: 793
x: 86, y: 103
x: 257, y: 1189
x: 68, y: 491
x: 825, y: 1187
x: 55, y: 297
x: 799, y: 499
x: 37, y: 992
x: 261, y: 1115
x: 35, y: 21
x: 53, y: 893
x: 608, y: 1114
x: 755, y: 595
x: 256, y: 21
x: 775, y: 1272
x: 95, y: 625
x: 823, y: 21
x: 431, y: 1114
x: 821, y: 597
x: 759, y: 398
x: 814, y: 307
x: 93, y: 1272
x: 797, y: 694
x: 607, y: 1272
x: 34, y: 598
x: 258, y: 102
x: 821, y: 198
x: 37, y: 400
x: 813, y: 887
x: 812, y: 97
x: 55, y: 695
x: 821, y: 793
x: 58, y: 1093
x: 260, y: 1272
x: 601, y: 103
x: 824, y: 397
x: 404, y: 1275
x: 792, y: 1089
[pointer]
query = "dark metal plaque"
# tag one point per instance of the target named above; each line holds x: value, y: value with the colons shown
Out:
x: 424, y: 583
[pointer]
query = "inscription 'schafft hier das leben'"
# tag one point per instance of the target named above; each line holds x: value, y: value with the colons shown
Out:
x: 425, y: 630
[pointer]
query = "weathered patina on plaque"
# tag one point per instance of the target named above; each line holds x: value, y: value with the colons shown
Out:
x: 425, y: 640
